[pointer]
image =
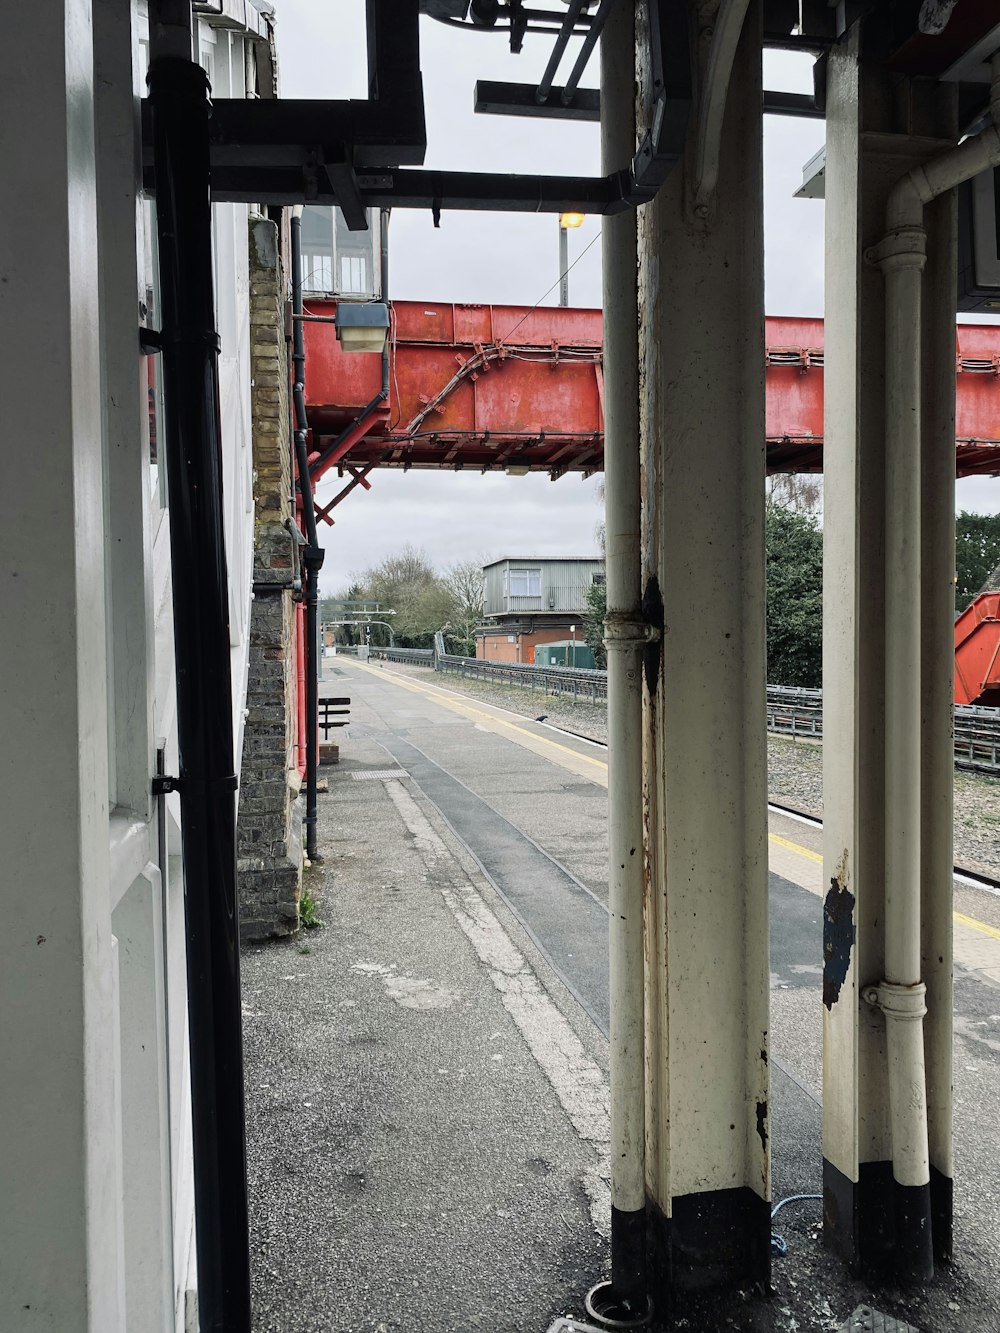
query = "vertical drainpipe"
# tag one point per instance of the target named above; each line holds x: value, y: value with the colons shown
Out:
x: 900, y: 996
x: 625, y: 636
x: 312, y: 555
x: 179, y: 96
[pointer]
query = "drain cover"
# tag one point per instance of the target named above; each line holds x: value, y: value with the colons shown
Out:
x: 574, y: 1326
x: 373, y: 774
x: 866, y: 1320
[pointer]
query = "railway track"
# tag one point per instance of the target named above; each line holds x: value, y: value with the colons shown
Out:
x: 973, y: 878
x: 790, y: 711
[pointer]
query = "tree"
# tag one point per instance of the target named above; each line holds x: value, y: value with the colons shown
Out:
x: 794, y: 551
x: 800, y: 492
x: 408, y: 585
x: 593, y: 624
x: 977, y: 554
x: 467, y: 589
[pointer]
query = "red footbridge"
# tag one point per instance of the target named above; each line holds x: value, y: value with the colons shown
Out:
x: 521, y: 389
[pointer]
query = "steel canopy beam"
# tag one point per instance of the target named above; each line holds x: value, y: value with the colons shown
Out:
x: 328, y: 152
x: 518, y: 99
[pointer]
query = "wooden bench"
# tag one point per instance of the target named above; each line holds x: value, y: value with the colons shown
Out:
x: 333, y: 712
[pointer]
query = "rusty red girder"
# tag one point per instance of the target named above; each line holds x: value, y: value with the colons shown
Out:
x: 521, y: 389
x: 977, y: 649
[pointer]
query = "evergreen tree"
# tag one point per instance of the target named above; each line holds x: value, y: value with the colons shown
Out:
x: 794, y: 549
x: 977, y: 554
x: 593, y: 624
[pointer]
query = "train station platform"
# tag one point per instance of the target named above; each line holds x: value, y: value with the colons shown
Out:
x: 427, y: 1095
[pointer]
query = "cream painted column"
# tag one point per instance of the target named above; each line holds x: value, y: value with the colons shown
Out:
x: 874, y: 135
x: 60, y: 1223
x: 702, y: 394
x: 937, y: 668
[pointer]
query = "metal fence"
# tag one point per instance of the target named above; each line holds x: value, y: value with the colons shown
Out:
x: 425, y: 656
x: 796, y: 712
x: 790, y: 711
x: 567, y: 682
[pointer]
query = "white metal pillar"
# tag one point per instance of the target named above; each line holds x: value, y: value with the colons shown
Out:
x: 625, y: 636
x: 60, y: 1223
x: 889, y: 551
x: 702, y: 395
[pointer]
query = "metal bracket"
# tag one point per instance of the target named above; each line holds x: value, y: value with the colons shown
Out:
x: 906, y: 248
x: 896, y: 1001
x: 164, y: 784
x: 623, y: 630
x: 150, y: 341
x: 670, y: 63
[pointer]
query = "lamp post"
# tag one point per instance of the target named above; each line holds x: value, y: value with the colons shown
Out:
x: 566, y: 221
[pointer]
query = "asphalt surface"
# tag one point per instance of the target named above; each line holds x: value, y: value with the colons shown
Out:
x: 426, y: 1075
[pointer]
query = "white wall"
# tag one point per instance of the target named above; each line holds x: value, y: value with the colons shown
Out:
x: 96, y: 1227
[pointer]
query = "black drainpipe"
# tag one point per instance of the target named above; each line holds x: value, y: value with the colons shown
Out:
x: 312, y: 554
x: 179, y: 95
x: 383, y: 236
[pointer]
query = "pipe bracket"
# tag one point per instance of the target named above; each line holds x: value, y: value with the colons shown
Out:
x: 905, y: 248
x: 904, y: 1003
x: 623, y: 630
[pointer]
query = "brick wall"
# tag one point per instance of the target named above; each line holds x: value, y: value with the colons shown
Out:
x: 269, y: 843
x: 494, y: 647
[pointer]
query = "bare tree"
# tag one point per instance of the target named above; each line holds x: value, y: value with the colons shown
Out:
x: 408, y: 584
x: 798, y: 492
x: 466, y: 585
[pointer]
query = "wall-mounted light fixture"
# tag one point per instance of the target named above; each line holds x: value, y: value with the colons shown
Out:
x: 362, y: 326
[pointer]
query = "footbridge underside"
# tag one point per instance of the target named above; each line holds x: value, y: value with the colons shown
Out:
x: 521, y: 389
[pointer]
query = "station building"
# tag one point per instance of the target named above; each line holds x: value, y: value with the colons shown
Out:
x: 533, y: 601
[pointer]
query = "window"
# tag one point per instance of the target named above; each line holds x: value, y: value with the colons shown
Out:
x: 525, y: 583
x: 317, y: 249
x: 336, y: 260
x: 597, y: 580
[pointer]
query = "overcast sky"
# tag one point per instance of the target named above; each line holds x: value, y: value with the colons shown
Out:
x: 512, y: 258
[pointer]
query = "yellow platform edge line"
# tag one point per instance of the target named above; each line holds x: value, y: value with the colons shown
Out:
x: 450, y: 700
x: 444, y: 697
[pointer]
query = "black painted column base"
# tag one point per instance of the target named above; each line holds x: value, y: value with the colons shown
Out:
x: 628, y: 1255
x: 721, y: 1238
x: 886, y: 1229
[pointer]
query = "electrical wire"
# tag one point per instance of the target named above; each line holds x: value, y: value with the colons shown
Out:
x: 552, y: 288
x: 779, y: 1245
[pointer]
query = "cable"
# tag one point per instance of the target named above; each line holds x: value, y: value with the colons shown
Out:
x: 779, y: 1245
x: 551, y: 289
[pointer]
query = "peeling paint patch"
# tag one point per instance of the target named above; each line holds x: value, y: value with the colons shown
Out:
x: 762, y: 1124
x: 838, y: 933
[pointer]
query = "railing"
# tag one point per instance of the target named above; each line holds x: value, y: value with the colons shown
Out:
x: 790, y: 711
x: 799, y: 712
x: 425, y: 656
x: 569, y: 682
x: 795, y: 712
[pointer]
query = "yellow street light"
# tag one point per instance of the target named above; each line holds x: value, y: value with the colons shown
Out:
x: 566, y: 221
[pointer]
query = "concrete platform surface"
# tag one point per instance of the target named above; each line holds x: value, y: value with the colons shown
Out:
x: 426, y: 1074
